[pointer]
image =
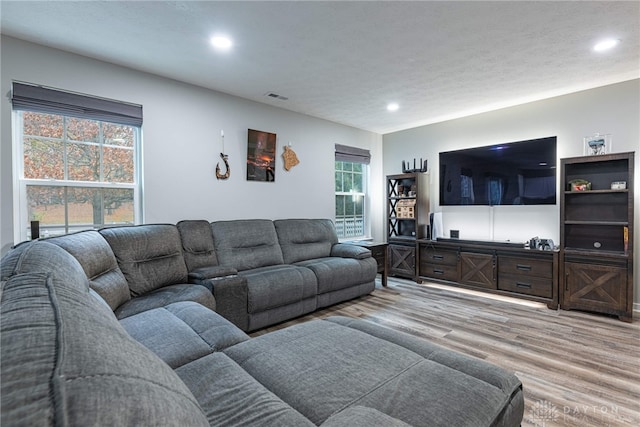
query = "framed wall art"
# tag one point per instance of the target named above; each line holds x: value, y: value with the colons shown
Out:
x: 597, y: 144
x: 261, y: 156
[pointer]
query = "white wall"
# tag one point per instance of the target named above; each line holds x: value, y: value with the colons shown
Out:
x: 613, y: 109
x: 182, y: 126
x: 181, y: 136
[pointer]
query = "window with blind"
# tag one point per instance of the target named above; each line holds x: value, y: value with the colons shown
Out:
x: 78, y: 161
x: 351, y: 182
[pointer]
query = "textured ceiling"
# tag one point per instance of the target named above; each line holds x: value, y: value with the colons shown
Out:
x: 344, y: 61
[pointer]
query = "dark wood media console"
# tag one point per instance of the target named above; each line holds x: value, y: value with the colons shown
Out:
x: 504, y: 268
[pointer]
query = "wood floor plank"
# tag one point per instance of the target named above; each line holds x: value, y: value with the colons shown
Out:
x: 577, y: 369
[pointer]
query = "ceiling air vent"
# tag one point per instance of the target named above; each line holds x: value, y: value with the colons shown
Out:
x: 276, y: 96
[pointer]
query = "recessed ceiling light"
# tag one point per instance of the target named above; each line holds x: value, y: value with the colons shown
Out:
x: 221, y: 42
x: 606, y: 45
x: 393, y: 107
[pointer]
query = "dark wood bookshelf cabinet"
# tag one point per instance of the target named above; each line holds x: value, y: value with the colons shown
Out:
x: 596, y: 235
x: 407, y: 220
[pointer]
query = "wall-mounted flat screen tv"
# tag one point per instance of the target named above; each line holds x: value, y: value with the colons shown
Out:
x: 515, y: 173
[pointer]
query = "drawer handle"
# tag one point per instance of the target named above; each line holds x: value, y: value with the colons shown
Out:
x: 523, y: 267
x: 438, y: 257
x: 438, y: 271
x: 523, y: 285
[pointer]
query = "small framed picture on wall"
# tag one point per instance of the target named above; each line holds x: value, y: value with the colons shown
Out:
x: 261, y: 156
x: 597, y: 144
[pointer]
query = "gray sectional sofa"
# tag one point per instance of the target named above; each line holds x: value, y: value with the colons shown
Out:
x: 124, y: 327
x: 255, y: 273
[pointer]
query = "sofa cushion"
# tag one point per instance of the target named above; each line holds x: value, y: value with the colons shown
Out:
x: 283, y: 313
x: 505, y: 382
x: 67, y: 361
x: 335, y: 273
x: 231, y: 397
x: 322, y: 367
x: 182, y: 332
x: 278, y: 285
x: 302, y: 239
x: 165, y: 296
x: 246, y: 244
x: 99, y: 264
x: 150, y: 256
x: 328, y: 299
x: 197, y: 244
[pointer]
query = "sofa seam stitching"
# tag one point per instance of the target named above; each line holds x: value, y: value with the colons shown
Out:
x: 132, y: 377
x: 212, y: 348
x: 380, y: 385
x: 59, y: 405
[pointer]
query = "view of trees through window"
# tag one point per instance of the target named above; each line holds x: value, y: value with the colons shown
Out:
x: 350, y: 199
x: 77, y: 173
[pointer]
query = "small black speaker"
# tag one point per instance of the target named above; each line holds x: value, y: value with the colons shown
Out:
x: 35, y: 230
x: 431, y: 234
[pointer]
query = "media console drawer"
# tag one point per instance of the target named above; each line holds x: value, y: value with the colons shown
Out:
x: 439, y: 271
x: 525, y: 266
x: 527, y: 285
x: 432, y: 256
x: 438, y: 263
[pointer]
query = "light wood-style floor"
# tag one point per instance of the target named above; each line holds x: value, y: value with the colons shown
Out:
x: 578, y: 369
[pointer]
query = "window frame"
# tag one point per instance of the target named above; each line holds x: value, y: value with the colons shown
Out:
x: 364, y: 193
x: 20, y: 183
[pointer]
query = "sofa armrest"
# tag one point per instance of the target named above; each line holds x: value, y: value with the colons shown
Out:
x: 231, y: 295
x: 229, y: 291
x: 345, y: 250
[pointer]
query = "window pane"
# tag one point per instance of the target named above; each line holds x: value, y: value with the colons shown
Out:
x: 118, y: 206
x: 83, y: 162
x: 83, y: 130
x: 338, y: 166
x: 38, y: 124
x: 339, y: 206
x: 359, y: 205
x: 357, y: 167
x: 85, y: 206
x: 357, y: 182
x: 43, y: 159
x: 339, y: 186
x: 118, y: 164
x: 120, y: 135
x: 347, y: 182
x: 46, y: 204
x: 348, y: 208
